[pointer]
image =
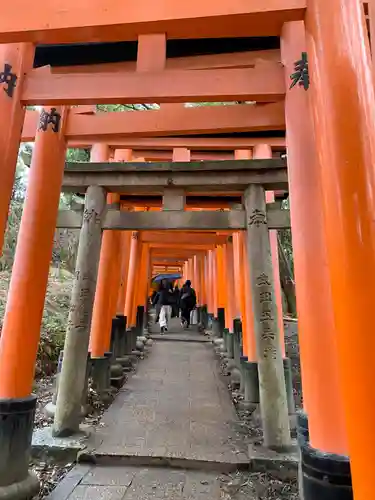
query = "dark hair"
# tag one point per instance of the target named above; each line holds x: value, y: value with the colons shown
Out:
x: 188, y: 283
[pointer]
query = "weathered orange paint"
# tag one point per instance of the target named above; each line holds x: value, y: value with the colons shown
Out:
x: 321, y: 391
x: 20, y: 57
x: 265, y: 151
x: 167, y: 121
x: 29, y: 279
x: 77, y: 22
x: 263, y: 83
x: 343, y: 102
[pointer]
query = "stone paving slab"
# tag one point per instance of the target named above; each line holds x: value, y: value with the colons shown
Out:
x: 134, y: 483
x: 175, y: 410
x: 188, y: 336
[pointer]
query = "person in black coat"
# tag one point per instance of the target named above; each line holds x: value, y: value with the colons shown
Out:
x: 188, y: 300
x: 176, y: 302
x: 162, y: 303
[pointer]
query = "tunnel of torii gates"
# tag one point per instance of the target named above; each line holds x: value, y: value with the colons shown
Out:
x: 207, y: 202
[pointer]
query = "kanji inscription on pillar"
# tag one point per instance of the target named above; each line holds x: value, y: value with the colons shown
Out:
x: 301, y: 75
x: 263, y: 279
x: 53, y: 118
x: 89, y: 214
x: 266, y: 319
x: 8, y: 79
x: 257, y: 218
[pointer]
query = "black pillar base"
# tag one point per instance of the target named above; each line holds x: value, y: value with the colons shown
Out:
x: 325, y: 476
x: 122, y: 332
x: 139, y: 322
x: 216, y: 329
x: 221, y: 319
x: 16, y: 429
x: 302, y: 428
x: 204, y: 317
x: 116, y: 341
x: 289, y: 385
x: 251, y: 382
x: 101, y: 377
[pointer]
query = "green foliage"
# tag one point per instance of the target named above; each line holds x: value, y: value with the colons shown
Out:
x: 106, y: 108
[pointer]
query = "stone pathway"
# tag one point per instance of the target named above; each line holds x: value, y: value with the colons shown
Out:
x: 174, y: 413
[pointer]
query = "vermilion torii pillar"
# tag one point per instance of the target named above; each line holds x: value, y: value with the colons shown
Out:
x: 23, y: 315
x: 323, y: 403
x: 15, y: 60
x: 132, y: 273
x: 343, y: 103
x: 101, y: 319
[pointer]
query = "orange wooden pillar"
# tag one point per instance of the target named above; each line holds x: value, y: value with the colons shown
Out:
x: 196, y: 280
x: 214, y: 283
x: 245, y: 292
x: 207, y: 281
x: 33, y: 253
x: 132, y: 273
x: 221, y: 283
x: 142, y: 276
x: 248, y: 303
x: 343, y: 103
x: 116, y: 263
x: 23, y: 315
x: 231, y: 283
x: 125, y: 256
x: 321, y: 391
x: 15, y: 60
x: 264, y: 151
x: 102, y: 311
x: 201, y: 279
x: 123, y: 155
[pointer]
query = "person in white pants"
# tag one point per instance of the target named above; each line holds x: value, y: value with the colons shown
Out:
x: 162, y: 300
x: 164, y: 318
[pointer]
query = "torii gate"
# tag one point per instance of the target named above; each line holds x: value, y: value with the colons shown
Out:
x: 330, y: 160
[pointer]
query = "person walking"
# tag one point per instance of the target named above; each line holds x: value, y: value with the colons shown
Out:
x: 176, y: 302
x: 162, y: 303
x: 188, y: 300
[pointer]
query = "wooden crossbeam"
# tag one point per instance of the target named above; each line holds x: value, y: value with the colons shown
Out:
x: 195, y: 177
x: 263, y: 83
x: 110, y: 127
x: 176, y: 221
x: 212, y: 61
x: 77, y: 21
x: 166, y: 238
